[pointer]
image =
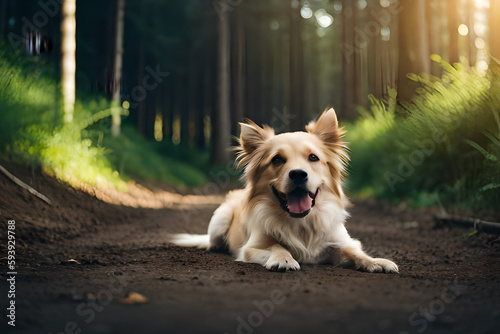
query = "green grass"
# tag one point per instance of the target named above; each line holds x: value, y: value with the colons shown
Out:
x: 441, y: 147
x: 137, y: 158
x: 32, y: 133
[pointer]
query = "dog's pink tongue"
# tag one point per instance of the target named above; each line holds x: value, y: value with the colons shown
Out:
x: 298, y: 203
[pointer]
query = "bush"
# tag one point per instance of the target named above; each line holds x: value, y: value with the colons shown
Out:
x: 32, y: 133
x: 135, y: 157
x: 439, y: 147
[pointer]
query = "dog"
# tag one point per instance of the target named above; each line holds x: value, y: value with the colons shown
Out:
x: 292, y: 209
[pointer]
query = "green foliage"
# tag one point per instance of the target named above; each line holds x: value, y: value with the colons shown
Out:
x: 26, y: 95
x: 442, y: 146
x: 31, y: 132
x: 490, y: 178
x: 138, y: 158
x: 65, y: 155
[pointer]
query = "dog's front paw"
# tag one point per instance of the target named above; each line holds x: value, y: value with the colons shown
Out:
x: 379, y: 265
x: 281, y: 262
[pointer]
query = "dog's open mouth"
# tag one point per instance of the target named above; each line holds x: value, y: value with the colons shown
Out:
x: 298, y: 203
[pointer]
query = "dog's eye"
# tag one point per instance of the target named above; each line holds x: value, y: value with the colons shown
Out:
x: 277, y: 160
x: 313, y: 157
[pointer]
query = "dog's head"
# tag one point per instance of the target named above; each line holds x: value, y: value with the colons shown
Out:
x: 294, y: 168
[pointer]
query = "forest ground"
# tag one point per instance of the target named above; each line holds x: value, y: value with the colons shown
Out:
x: 78, y: 258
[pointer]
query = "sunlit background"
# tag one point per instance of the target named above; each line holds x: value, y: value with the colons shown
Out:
x: 160, y: 86
x: 346, y: 51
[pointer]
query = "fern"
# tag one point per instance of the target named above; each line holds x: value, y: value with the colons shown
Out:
x: 486, y: 154
x: 445, y: 141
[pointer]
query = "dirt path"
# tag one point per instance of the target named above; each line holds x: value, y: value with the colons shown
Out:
x: 448, y: 283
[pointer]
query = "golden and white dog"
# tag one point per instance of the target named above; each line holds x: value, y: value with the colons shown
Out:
x: 292, y: 209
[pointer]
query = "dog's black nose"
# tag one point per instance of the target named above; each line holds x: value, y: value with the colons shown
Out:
x: 298, y: 176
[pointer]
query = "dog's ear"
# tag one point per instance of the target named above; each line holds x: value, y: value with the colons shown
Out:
x: 252, y: 136
x: 326, y: 127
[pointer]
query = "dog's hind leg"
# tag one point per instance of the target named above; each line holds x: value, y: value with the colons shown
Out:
x: 219, y: 226
x: 215, y: 240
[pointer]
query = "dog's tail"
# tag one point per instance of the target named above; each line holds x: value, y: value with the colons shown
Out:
x: 190, y: 240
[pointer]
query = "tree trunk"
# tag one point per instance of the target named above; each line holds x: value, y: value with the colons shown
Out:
x: 434, y: 17
x: 117, y: 70
x: 221, y: 123
x: 347, y: 49
x: 471, y: 36
x: 296, y: 69
x: 312, y: 75
x: 68, y: 59
x: 200, y: 108
x: 3, y: 19
x: 278, y: 76
x: 286, y: 114
x: 184, y: 107
x: 141, y: 110
x: 239, y: 84
x: 359, y: 77
x: 167, y: 110
x: 171, y: 108
x: 453, y: 56
x: 372, y: 84
x: 194, y: 83
x: 413, y: 45
x: 263, y: 110
x: 110, y: 46
x: 150, y: 112
x: 378, y: 65
x: 251, y: 92
x: 495, y: 28
x: 209, y: 96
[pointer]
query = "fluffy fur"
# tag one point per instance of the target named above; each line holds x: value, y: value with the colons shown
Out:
x: 293, y: 208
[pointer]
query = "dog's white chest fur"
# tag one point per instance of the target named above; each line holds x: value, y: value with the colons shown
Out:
x: 308, y: 239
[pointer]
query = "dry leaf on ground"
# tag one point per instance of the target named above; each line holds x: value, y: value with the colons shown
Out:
x: 134, y: 298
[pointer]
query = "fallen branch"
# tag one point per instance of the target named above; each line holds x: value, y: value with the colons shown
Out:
x: 476, y: 224
x: 25, y: 186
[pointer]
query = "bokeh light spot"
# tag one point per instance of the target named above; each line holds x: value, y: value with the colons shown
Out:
x: 463, y: 30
